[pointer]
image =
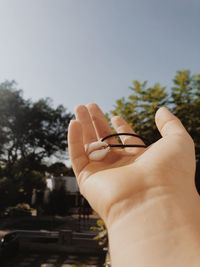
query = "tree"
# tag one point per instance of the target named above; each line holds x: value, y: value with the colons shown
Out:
x: 60, y: 169
x: 8, y: 193
x: 140, y: 107
x: 27, y: 129
x: 183, y: 99
x: 185, y: 103
x: 31, y: 133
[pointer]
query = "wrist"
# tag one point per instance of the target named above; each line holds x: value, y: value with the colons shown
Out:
x: 161, y: 231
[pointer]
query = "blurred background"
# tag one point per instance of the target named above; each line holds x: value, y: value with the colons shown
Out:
x: 130, y: 57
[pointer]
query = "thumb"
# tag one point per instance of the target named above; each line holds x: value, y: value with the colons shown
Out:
x: 168, y: 124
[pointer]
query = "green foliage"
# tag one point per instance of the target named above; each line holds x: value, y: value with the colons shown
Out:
x: 185, y: 103
x: 102, y: 238
x: 140, y: 107
x: 102, y: 233
x: 30, y: 129
x: 31, y: 133
x: 20, y: 210
x: 8, y: 193
x: 183, y: 99
x: 59, y: 169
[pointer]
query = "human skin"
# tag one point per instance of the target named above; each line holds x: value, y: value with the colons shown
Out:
x: 147, y: 198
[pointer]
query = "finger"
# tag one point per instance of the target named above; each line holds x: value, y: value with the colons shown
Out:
x: 89, y: 134
x: 100, y: 123
x: 168, y: 124
x: 77, y: 153
x: 121, y: 126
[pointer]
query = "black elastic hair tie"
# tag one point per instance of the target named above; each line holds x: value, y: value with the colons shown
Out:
x: 122, y: 145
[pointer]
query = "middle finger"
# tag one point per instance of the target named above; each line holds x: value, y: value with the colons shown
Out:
x: 101, y: 123
x: 89, y: 134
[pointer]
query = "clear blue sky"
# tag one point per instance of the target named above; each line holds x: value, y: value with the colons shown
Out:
x: 81, y: 51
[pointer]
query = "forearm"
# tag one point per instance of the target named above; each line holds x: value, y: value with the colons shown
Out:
x: 163, y: 231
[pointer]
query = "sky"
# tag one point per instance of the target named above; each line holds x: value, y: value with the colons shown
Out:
x: 83, y: 51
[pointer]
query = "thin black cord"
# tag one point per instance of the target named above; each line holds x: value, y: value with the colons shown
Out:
x: 122, y: 145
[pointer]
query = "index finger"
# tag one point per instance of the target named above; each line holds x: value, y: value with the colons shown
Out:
x: 77, y: 153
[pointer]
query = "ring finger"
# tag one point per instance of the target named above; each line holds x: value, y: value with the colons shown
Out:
x: 121, y: 126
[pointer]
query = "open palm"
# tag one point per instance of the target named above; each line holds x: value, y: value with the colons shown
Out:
x: 124, y: 179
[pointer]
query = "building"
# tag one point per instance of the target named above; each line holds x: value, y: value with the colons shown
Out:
x: 69, y: 182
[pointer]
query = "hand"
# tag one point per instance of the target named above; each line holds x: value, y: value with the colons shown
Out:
x: 125, y: 180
